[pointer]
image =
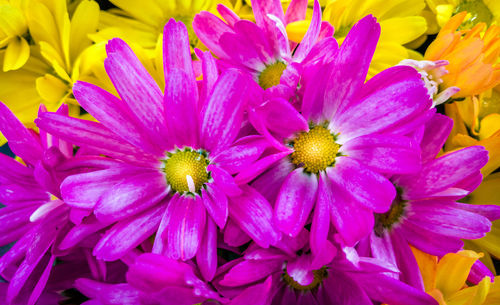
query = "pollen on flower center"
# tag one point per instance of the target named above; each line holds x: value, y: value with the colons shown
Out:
x: 387, y: 220
x: 271, y: 75
x: 319, y: 275
x: 314, y: 150
x: 186, y: 170
x: 478, y: 11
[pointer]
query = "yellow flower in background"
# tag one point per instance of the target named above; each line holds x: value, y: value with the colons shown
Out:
x: 472, y: 56
x: 438, y: 12
x: 445, y: 279
x: 142, y: 22
x: 400, y: 23
x: 477, y: 122
x: 13, y: 29
x: 55, y: 60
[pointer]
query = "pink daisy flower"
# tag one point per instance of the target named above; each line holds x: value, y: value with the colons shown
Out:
x: 178, y: 152
x: 425, y: 213
x: 348, y: 279
x: 34, y: 215
x: 335, y: 153
x: 262, y: 49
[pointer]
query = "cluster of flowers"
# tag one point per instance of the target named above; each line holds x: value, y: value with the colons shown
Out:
x: 264, y: 170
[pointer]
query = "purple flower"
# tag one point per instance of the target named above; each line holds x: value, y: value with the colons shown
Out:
x: 152, y: 279
x: 262, y: 48
x: 348, y: 279
x: 425, y: 212
x: 334, y: 154
x: 35, y: 216
x: 178, y: 152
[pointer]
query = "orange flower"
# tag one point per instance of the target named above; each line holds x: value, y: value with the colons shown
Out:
x: 472, y: 56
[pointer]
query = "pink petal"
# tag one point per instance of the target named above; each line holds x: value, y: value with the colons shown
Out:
x: 350, y: 66
x: 398, y: 88
x: 186, y: 227
x: 23, y: 142
x: 216, y: 204
x: 385, y: 153
x: 444, y: 172
x: 311, y: 35
x: 209, y: 28
x: 177, y: 54
x: 222, y: 114
x: 368, y: 188
x: 137, y: 89
x: 295, y: 201
x: 181, y: 108
x: 206, y: 258
x: 253, y: 214
x: 436, y: 132
x: 128, y: 234
x: 113, y: 113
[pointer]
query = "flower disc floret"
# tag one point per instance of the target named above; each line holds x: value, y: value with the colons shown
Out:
x: 315, y: 150
x: 186, y: 170
x: 319, y: 275
x: 387, y: 220
x: 271, y: 75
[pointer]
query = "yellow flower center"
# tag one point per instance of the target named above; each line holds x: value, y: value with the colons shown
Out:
x: 319, y: 275
x: 478, y: 11
x: 271, y: 75
x: 315, y: 150
x: 186, y: 170
x: 385, y: 221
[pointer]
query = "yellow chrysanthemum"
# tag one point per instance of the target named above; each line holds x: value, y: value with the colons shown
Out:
x: 399, y: 21
x: 55, y: 59
x: 13, y: 29
x: 142, y: 22
x: 472, y: 56
x: 445, y: 279
x: 438, y: 12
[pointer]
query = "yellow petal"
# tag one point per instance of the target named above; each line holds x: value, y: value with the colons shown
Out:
x: 487, y: 192
x: 84, y: 21
x: 492, y: 144
x: 451, y: 110
x: 453, y: 270
x: 493, y: 297
x: 55, y: 59
x: 489, y: 125
x: 51, y: 89
x: 297, y: 30
x: 486, y: 259
x: 428, y: 267
x: 16, y: 54
x: 12, y: 21
x: 42, y: 24
x: 443, y: 13
x: 438, y: 296
x: 3, y: 140
x: 471, y: 296
x: 148, y: 12
x: 491, y: 242
x: 402, y: 30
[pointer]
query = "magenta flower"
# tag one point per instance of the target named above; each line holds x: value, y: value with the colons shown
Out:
x: 262, y: 48
x: 425, y: 213
x: 152, y: 279
x: 35, y: 216
x: 178, y: 152
x: 348, y: 279
x: 335, y: 153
